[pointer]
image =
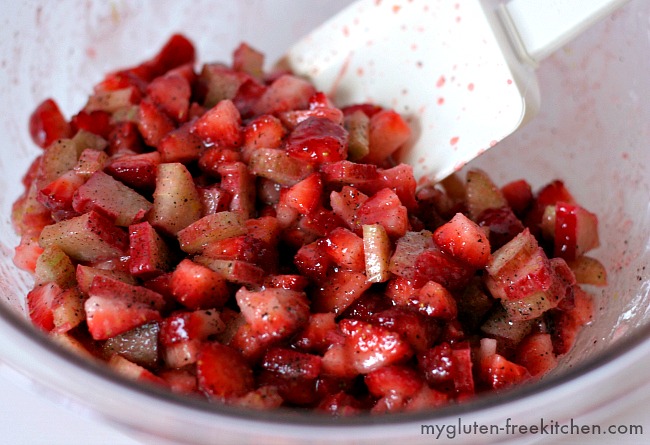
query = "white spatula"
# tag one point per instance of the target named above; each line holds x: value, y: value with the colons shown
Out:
x: 461, y: 71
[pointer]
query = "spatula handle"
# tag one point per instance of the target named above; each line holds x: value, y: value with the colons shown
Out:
x: 539, y: 27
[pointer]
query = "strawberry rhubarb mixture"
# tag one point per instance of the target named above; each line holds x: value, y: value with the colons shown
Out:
x: 231, y: 234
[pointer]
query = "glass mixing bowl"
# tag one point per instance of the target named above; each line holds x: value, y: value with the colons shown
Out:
x: 592, y: 132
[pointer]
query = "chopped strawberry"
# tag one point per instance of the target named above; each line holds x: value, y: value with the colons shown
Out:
x: 338, y: 290
x: 318, y: 334
x: 393, y: 380
x: 345, y: 249
x: 171, y: 92
x: 305, y: 196
x: 368, y: 347
x: 292, y: 364
x: 502, y: 223
x: 265, y: 131
x: 519, y: 195
x: 97, y: 122
x: 416, y: 328
x: 58, y: 195
x: 220, y: 125
x: 434, y: 300
x: 47, y: 124
x: 137, y: 171
x: 222, y: 372
x: 388, y: 132
x: 386, y: 209
x: 317, y: 140
x: 535, y: 353
x: 115, y: 307
x: 153, y: 123
x: 198, y: 287
x: 125, y: 138
x: 464, y: 240
x: 498, y: 372
x: 180, y: 145
x: 249, y: 60
x: 272, y: 312
x: 287, y: 92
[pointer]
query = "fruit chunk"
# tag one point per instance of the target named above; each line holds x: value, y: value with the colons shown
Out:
x: 114, y: 307
x: 47, y: 124
x: 377, y: 250
x: 111, y: 198
x: 222, y: 372
x: 211, y: 228
x: 464, y: 240
x: 176, y: 202
x: 88, y: 237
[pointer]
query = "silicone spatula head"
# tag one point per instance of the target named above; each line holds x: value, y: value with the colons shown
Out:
x: 457, y: 70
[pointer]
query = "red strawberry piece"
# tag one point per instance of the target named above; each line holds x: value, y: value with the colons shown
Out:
x: 345, y: 249
x: 317, y: 140
x: 464, y: 240
x: 115, y: 307
x: 498, y: 372
x: 519, y: 195
x: 137, y: 171
x: 386, y: 209
x: 47, y: 124
x: 535, y: 353
x: 153, y: 123
x: 305, y: 196
x: 287, y: 92
x: 220, y: 125
x: 97, y: 122
x: 196, y: 286
x: 338, y: 290
x: 222, y: 372
x: 388, y: 132
x: 171, y: 92
x: 180, y: 145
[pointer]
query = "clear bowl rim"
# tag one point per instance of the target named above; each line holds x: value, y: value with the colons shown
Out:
x: 308, y: 418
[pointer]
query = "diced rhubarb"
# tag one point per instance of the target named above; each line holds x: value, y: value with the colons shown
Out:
x: 108, y: 196
x: 139, y: 345
x: 86, y: 274
x: 248, y: 60
x: 53, y: 265
x: 278, y: 166
x: 377, y: 253
x: 358, y: 126
x: 588, y: 270
x: 90, y: 161
x: 482, y: 194
x: 210, y: 228
x: 234, y: 271
x: 89, y: 237
x: 576, y: 231
x: 176, y: 202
